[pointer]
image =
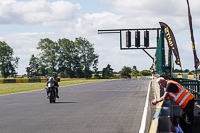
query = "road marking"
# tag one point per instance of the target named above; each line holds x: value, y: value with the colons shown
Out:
x: 144, y: 116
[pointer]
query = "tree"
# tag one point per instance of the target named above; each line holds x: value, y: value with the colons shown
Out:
x: 78, y: 70
x: 72, y: 59
x: 28, y: 71
x: 145, y: 73
x: 135, y: 72
x: 68, y: 58
x: 10, y: 69
x: 186, y: 70
x: 42, y: 68
x: 125, y: 71
x: 190, y: 73
x: 48, y: 55
x: 86, y: 55
x: 33, y: 65
x: 107, y: 71
x: 8, y: 63
x: 134, y: 68
x: 95, y: 64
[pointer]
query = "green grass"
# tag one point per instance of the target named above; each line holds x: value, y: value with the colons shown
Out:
x: 8, y: 88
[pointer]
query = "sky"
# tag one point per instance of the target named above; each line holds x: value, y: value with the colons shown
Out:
x: 24, y: 22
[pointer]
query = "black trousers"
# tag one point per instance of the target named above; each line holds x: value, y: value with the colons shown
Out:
x: 187, y: 117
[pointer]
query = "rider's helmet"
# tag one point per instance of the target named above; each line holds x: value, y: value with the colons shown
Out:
x: 51, y: 79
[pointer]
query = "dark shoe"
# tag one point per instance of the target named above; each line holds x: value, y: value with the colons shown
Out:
x: 57, y: 96
x: 47, y: 96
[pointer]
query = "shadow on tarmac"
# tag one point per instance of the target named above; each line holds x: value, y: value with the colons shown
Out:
x: 63, y: 102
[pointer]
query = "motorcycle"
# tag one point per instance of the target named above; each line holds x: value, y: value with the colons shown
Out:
x: 51, y: 92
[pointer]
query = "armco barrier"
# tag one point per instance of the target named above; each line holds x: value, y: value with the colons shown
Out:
x: 43, y: 80
x: 190, y: 76
x: 18, y: 80
x: 9, y: 81
x: 37, y: 80
x: 31, y: 80
x: 34, y: 80
x: 179, y: 76
x: 25, y: 80
x: 1, y: 80
x: 185, y: 76
x: 161, y: 121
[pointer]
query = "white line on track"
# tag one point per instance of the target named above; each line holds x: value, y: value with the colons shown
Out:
x: 144, y: 116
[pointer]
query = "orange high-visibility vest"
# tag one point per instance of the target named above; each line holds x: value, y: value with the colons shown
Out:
x: 182, y: 96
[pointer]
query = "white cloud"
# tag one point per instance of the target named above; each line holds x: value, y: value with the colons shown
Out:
x: 65, y: 16
x: 39, y: 11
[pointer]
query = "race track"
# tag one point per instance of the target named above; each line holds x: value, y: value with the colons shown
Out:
x: 104, y: 107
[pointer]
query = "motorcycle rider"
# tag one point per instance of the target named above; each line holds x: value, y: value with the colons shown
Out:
x: 51, y: 80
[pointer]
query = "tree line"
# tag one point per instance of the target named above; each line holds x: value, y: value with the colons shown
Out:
x: 124, y: 72
x: 128, y: 71
x: 66, y: 58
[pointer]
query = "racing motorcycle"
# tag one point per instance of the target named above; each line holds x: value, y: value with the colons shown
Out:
x: 51, y: 92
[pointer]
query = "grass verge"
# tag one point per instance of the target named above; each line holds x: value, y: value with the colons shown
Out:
x: 8, y: 88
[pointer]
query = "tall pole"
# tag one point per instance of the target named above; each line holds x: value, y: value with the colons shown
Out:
x: 162, y: 49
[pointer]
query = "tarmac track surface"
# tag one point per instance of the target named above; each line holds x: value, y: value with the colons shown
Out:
x: 104, y: 107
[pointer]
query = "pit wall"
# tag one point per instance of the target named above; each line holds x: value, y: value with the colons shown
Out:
x: 161, y: 121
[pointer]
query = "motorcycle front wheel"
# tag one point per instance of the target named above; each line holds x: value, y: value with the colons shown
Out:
x: 51, y: 97
x: 54, y: 98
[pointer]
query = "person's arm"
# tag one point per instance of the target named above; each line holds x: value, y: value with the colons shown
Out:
x: 56, y: 84
x: 164, y: 97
